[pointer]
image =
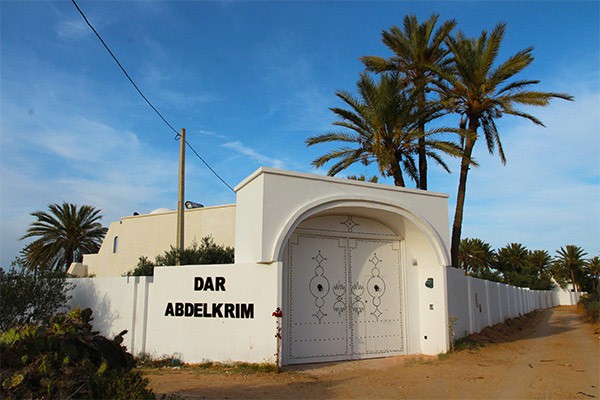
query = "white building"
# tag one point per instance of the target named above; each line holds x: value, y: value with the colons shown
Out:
x: 358, y: 270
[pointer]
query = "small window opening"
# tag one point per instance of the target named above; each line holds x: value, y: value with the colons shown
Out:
x: 116, y: 244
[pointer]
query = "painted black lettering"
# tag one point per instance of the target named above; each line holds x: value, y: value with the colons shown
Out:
x: 207, y: 313
x: 189, y: 309
x: 220, y: 283
x: 208, y: 284
x: 197, y: 310
x: 178, y: 309
x: 198, y: 283
x: 247, y: 310
x: 169, y: 310
x: 237, y: 310
x: 216, y: 310
x: 229, y: 308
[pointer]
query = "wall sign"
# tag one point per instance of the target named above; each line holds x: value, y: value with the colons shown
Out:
x: 210, y: 310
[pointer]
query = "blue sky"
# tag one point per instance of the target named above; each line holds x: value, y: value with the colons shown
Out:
x: 250, y: 81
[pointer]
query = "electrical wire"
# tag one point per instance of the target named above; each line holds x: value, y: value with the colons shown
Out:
x: 177, y: 135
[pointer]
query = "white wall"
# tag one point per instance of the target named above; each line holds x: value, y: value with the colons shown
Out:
x: 152, y: 234
x: 477, y: 303
x: 118, y: 303
x: 139, y: 304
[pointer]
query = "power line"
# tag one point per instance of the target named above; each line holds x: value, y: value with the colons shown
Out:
x: 143, y: 96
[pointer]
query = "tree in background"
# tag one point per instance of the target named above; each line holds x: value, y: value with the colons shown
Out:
x: 207, y: 252
x: 541, y: 263
x: 593, y: 270
x: 363, y: 178
x: 416, y: 47
x: 569, y: 265
x: 513, y: 263
x: 62, y: 236
x: 384, y: 129
x: 480, y: 91
x: 478, y: 259
x: 27, y: 298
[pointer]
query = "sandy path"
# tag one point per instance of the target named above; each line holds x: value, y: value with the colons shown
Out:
x: 556, y: 356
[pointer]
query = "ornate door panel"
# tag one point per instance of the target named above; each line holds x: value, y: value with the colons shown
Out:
x: 318, y: 317
x: 344, y: 290
x: 376, y: 322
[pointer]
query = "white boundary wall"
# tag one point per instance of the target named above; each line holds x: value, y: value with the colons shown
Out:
x: 475, y: 303
x: 231, y: 318
x: 174, y: 314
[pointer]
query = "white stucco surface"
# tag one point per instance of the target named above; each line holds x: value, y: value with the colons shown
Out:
x: 152, y: 234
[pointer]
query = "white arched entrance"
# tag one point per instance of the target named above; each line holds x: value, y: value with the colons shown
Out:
x: 345, y: 290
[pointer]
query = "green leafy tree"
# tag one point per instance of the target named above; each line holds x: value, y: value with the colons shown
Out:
x: 478, y: 259
x: 383, y: 128
x: 416, y: 47
x: 514, y: 264
x: 541, y: 263
x: 593, y: 269
x: 207, y: 252
x: 62, y: 236
x: 363, y: 178
x: 26, y: 298
x: 569, y: 263
x: 481, y: 91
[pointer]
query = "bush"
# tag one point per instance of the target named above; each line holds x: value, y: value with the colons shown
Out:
x: 591, y: 306
x: 207, y: 252
x: 64, y: 358
x: 27, y: 298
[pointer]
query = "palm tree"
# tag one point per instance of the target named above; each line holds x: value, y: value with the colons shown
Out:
x: 416, y: 47
x: 514, y: 263
x: 541, y: 260
x: 570, y: 260
x: 62, y: 235
x: 384, y: 125
x: 481, y: 93
x: 476, y: 256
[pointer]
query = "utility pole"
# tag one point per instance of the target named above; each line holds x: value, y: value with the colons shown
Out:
x: 181, y: 193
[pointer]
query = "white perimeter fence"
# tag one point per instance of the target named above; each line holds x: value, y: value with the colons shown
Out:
x: 476, y: 303
x: 140, y: 305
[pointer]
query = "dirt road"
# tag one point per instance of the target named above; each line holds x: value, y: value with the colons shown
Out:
x: 551, y: 355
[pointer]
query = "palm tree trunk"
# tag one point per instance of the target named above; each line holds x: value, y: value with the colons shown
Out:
x: 421, y: 146
x: 462, y: 190
x: 397, y: 172
x: 573, y: 279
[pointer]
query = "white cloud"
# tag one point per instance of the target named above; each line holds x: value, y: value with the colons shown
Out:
x: 73, y: 29
x: 255, y: 156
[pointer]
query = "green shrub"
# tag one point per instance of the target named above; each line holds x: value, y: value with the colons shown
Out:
x: 207, y: 252
x: 30, y: 298
x: 591, y: 306
x: 64, y: 358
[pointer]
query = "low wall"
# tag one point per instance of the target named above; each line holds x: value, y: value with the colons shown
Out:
x: 475, y: 303
x: 198, y: 313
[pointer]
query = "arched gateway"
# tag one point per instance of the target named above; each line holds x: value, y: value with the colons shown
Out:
x: 345, y: 288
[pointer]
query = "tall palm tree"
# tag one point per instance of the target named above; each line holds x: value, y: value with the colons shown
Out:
x: 570, y: 260
x: 480, y: 93
x: 62, y: 236
x: 416, y: 47
x: 384, y: 129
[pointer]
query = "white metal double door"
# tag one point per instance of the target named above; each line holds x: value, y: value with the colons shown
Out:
x: 345, y: 299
